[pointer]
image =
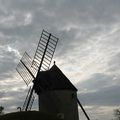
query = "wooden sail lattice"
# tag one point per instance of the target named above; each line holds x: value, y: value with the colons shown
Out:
x: 26, y: 99
x: 45, y: 51
x: 29, y: 69
x: 24, y: 68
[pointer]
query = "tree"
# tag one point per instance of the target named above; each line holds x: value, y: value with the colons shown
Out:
x: 117, y: 114
x: 1, y: 110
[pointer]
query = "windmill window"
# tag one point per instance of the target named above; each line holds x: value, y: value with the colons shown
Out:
x: 73, y: 95
x: 60, y: 115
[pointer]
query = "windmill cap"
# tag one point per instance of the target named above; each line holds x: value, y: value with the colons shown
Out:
x: 53, y: 79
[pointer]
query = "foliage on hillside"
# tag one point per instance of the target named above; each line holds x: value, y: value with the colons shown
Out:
x: 1, y: 110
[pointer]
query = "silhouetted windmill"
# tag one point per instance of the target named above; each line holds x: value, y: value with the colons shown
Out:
x: 56, y: 94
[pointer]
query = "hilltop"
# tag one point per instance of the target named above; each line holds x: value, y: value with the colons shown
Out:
x: 29, y: 115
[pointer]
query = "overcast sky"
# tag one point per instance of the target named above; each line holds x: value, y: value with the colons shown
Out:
x: 88, y: 51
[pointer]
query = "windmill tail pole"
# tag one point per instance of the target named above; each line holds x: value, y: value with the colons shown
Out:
x: 83, y: 109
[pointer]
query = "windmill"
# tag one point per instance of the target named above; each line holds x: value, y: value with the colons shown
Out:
x: 51, y: 85
x: 29, y: 69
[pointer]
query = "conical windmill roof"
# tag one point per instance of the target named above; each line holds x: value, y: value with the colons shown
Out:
x: 53, y: 79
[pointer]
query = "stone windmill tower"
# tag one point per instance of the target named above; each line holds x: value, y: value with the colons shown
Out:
x: 59, y: 96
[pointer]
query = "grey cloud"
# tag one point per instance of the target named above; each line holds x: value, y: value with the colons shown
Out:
x: 1, y: 94
x: 13, y: 4
x: 85, y: 11
x: 97, y: 81
x: 4, y: 76
x: 114, y: 63
x: 100, y: 89
x: 69, y: 42
x: 62, y: 11
x: 103, y: 97
x: 7, y: 62
x: 13, y: 99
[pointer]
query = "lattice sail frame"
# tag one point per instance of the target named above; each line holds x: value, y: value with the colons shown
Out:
x: 26, y: 100
x: 29, y: 69
x: 45, y: 51
x: 24, y: 69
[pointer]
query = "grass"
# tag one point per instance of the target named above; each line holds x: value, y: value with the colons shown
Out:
x: 29, y: 115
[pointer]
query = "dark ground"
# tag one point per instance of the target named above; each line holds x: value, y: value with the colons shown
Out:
x: 30, y: 115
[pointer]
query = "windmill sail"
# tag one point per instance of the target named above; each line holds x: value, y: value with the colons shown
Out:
x: 29, y: 69
x: 31, y: 102
x: 26, y: 100
x: 44, y: 52
x: 25, y: 70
